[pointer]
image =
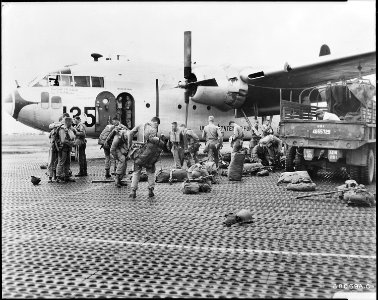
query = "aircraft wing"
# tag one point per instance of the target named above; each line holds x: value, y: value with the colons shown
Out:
x: 316, y: 73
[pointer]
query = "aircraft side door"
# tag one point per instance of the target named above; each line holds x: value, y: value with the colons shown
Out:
x: 105, y: 110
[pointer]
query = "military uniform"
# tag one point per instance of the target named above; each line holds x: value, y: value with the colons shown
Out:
x: 106, y: 147
x: 145, y: 132
x: 176, y: 142
x: 80, y: 143
x: 213, y: 137
x: 67, y: 137
x: 266, y: 130
x: 260, y: 154
x: 53, y: 151
x: 273, y: 145
x: 191, y: 146
x: 237, y: 138
x: 255, y: 138
x: 119, y: 150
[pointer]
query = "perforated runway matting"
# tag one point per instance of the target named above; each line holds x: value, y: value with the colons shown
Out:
x: 88, y: 239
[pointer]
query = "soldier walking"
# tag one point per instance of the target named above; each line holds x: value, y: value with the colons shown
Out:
x: 176, y: 145
x: 146, y: 136
x: 191, y: 145
x: 66, y: 142
x: 80, y: 143
x: 119, y: 150
x: 213, y: 136
x: 236, y: 139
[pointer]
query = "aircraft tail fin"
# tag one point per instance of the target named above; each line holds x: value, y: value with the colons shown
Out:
x: 324, y: 50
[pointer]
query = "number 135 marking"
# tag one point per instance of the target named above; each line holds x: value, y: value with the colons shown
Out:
x: 76, y: 111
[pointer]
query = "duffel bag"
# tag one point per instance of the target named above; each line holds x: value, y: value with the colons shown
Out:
x: 235, y: 170
x: 359, y: 198
x: 204, y: 188
x: 190, y: 187
x: 178, y: 175
x: 162, y: 177
x: 301, y: 187
x: 294, y: 177
x: 251, y: 168
x: 149, y: 154
x: 210, y: 167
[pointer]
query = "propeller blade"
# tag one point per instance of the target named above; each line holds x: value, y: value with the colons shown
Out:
x: 187, y: 54
x: 206, y: 82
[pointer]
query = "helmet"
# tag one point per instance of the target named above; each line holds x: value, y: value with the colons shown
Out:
x: 35, y: 180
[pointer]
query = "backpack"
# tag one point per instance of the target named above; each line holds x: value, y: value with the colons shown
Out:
x: 104, y: 135
x: 162, y: 177
x: 55, y: 138
x: 178, y: 175
x: 190, y: 187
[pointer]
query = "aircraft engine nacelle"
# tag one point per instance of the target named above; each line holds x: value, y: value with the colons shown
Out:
x: 222, y: 97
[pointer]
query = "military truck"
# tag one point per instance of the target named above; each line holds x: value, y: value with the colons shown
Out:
x: 313, y: 144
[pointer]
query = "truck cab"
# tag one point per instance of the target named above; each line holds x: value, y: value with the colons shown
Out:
x: 350, y: 142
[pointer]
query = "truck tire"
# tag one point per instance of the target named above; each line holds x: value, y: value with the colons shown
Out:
x: 299, y: 160
x: 355, y: 173
x: 289, y: 160
x: 368, y: 171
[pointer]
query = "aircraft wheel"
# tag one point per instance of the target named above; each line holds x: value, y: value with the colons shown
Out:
x: 368, y: 171
x: 289, y: 160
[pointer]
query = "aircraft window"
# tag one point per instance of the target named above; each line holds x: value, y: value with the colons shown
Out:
x: 179, y: 106
x: 194, y: 107
x: 53, y: 80
x: 97, y: 81
x: 148, y: 105
x: 65, y: 71
x: 209, y: 107
x: 56, y: 102
x: 45, y: 100
x: 65, y: 80
x: 43, y: 82
x: 82, y: 81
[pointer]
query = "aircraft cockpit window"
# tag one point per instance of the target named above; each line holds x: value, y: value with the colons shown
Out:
x: 82, y: 81
x: 65, y: 80
x: 42, y: 83
x: 53, y: 80
x: 97, y: 81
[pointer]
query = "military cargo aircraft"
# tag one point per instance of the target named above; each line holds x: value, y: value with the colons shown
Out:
x: 137, y: 91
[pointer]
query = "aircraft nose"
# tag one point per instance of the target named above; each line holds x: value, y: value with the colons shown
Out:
x: 9, y: 104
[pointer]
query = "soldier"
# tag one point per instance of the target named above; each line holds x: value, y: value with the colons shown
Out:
x: 255, y: 137
x: 236, y: 139
x: 191, y: 145
x: 267, y: 128
x: 66, y: 142
x: 274, y: 147
x: 80, y: 143
x: 214, y: 140
x: 147, y: 133
x: 260, y: 154
x: 119, y: 150
x: 107, y: 145
x: 53, y: 151
x: 176, y: 145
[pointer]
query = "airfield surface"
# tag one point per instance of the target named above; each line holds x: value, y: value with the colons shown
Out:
x: 88, y: 239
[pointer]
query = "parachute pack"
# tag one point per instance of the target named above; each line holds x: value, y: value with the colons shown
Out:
x: 104, y: 134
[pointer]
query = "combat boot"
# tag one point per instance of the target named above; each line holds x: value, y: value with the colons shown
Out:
x: 54, y: 176
x: 50, y: 179
x: 60, y: 180
x: 118, y: 181
x: 132, y: 194
x: 151, y: 192
x: 107, y: 174
x: 68, y: 179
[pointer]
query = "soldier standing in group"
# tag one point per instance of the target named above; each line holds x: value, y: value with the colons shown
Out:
x: 191, y: 145
x: 108, y: 143
x: 267, y: 128
x: 255, y: 137
x: 66, y: 142
x: 53, y: 151
x: 147, y: 133
x: 213, y: 136
x: 175, y: 144
x: 236, y: 139
x: 119, y: 150
x: 80, y: 143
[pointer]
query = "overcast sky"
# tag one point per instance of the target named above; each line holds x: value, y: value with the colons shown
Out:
x: 38, y: 37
